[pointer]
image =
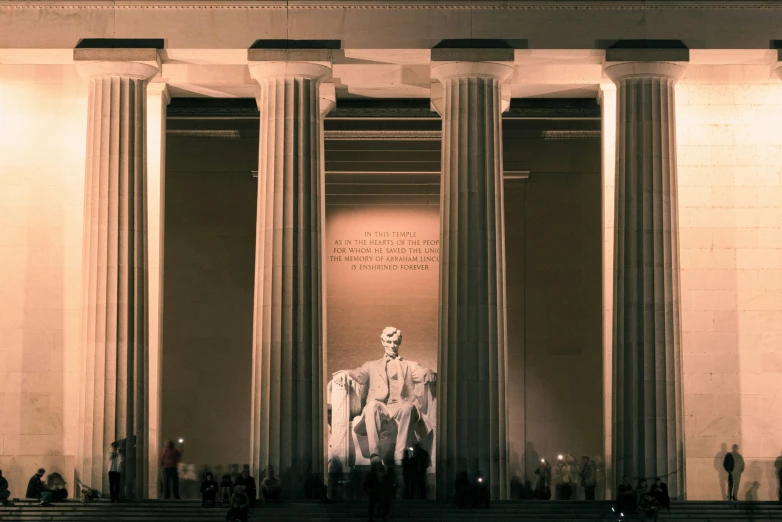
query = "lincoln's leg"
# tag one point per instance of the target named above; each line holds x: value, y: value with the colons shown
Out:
x: 375, y: 413
x: 405, y: 414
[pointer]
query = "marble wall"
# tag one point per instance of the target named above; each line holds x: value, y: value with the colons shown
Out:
x: 42, y: 149
x: 730, y: 203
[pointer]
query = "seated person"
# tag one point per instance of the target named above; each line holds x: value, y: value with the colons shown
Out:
x: 4, y: 493
x: 271, y: 486
x: 248, y: 483
x: 236, y: 513
x: 56, y: 485
x: 209, y: 490
x: 625, y: 497
x: 226, y: 488
x: 480, y: 493
x: 37, y: 489
x: 526, y: 492
x: 240, y: 501
x: 659, y: 491
x: 648, y: 507
x: 463, y: 490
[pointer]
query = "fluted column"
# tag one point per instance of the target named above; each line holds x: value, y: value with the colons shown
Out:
x: 287, y: 409
x: 472, y: 416
x: 114, y: 317
x: 647, y: 403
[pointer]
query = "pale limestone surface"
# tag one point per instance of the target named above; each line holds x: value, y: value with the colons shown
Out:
x: 42, y: 153
x: 730, y: 203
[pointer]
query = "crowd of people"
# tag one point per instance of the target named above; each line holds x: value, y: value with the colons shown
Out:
x: 564, y: 477
x: 642, y: 499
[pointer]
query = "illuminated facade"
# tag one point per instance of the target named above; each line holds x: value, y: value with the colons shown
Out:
x: 687, y: 355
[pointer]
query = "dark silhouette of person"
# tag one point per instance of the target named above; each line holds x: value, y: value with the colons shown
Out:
x: 115, y: 460
x: 240, y: 503
x: 588, y: 477
x: 481, y: 494
x: 543, y: 484
x: 423, y: 461
x: 209, y: 489
x: 271, y: 487
x: 659, y: 491
x: 778, y: 467
x: 226, y: 488
x: 36, y: 488
x: 734, y: 474
x: 729, y: 464
x: 463, y: 490
x: 409, y: 472
x: 373, y: 484
x: 387, y: 491
x: 526, y: 492
x: 626, y: 501
x: 5, y: 494
x: 56, y: 485
x: 248, y: 481
x: 169, y: 461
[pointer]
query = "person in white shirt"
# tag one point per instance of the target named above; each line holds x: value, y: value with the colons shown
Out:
x: 115, y: 460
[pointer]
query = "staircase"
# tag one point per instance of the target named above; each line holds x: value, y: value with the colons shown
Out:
x: 413, y: 510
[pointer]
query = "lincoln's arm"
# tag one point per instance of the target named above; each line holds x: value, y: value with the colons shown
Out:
x: 420, y: 373
x: 360, y: 374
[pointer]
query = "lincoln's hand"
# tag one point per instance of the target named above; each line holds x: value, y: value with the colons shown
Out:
x: 342, y: 378
x: 430, y: 377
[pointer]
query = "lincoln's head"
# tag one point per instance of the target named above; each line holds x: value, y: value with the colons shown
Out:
x: 391, y: 338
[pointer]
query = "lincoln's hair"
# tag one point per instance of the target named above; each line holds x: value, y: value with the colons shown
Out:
x: 388, y: 331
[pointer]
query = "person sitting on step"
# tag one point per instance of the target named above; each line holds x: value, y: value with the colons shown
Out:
x: 5, y: 494
x: 249, y: 485
x: 271, y: 486
x: 36, y: 488
x: 56, y: 485
x: 209, y: 490
x: 240, y: 501
x: 226, y: 489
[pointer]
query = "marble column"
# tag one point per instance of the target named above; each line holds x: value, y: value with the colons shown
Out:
x: 114, y: 317
x: 647, y: 400
x: 287, y: 401
x: 472, y: 415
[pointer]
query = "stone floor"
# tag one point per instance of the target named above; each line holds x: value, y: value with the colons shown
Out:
x: 181, y: 511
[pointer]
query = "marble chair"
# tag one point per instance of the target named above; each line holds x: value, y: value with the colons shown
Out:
x: 345, y: 404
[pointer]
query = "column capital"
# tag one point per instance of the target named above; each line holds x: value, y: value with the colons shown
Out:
x: 472, y: 62
x: 314, y: 64
x: 138, y: 63
x: 618, y: 71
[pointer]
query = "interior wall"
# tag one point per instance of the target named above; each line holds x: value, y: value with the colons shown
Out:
x: 210, y: 207
x: 554, y: 285
x: 730, y: 219
x: 43, y: 129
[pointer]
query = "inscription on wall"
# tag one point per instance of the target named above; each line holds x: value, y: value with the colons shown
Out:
x: 384, y: 250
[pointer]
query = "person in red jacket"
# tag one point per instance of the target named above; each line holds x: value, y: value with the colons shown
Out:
x: 169, y: 460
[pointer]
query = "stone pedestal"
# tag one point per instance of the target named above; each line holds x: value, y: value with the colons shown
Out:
x: 114, y: 319
x: 287, y: 402
x: 647, y: 401
x: 472, y: 421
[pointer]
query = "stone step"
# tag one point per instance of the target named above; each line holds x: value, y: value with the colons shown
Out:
x: 176, y: 511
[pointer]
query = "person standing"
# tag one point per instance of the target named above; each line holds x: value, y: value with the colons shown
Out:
x: 4, y: 493
x: 588, y: 477
x: 169, y: 460
x: 115, y: 461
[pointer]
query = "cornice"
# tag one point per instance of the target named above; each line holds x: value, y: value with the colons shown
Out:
x: 472, y: 5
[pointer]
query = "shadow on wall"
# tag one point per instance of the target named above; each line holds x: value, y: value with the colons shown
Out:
x: 748, y: 479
